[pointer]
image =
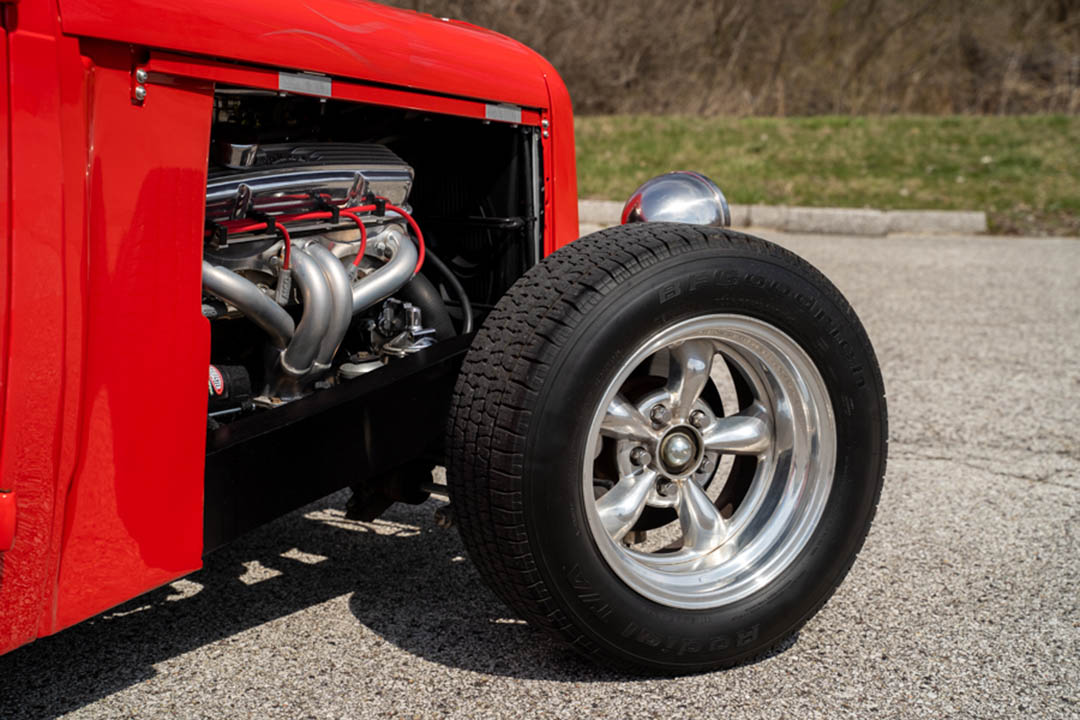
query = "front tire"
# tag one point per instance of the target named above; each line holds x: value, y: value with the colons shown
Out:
x: 667, y: 444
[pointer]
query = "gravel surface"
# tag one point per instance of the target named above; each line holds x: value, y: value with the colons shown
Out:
x: 964, y: 601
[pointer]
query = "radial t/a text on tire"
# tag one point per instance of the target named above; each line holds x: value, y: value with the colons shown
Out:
x: 666, y: 445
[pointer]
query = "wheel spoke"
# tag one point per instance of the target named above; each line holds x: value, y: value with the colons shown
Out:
x: 712, y: 385
x: 703, y: 527
x: 748, y: 433
x: 691, y: 362
x: 623, y: 421
x: 621, y: 506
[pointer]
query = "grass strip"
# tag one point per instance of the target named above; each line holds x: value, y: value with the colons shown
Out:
x: 1023, y: 171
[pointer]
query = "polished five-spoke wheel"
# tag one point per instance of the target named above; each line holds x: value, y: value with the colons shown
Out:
x: 667, y: 444
x: 663, y: 448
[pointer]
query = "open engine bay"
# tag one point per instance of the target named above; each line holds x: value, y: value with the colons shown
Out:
x: 343, y: 237
x: 349, y: 252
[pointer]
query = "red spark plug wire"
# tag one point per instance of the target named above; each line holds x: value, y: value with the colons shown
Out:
x: 286, y: 259
x: 408, y: 218
x: 350, y: 213
x: 363, y: 234
x: 322, y: 215
x: 250, y: 227
x: 416, y: 231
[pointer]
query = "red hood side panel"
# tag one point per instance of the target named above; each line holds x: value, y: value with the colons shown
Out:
x: 343, y: 38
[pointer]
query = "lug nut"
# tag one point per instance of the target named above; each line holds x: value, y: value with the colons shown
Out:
x: 698, y: 419
x: 666, y: 488
x: 660, y: 415
x: 640, y: 456
x: 706, y: 466
x: 444, y: 516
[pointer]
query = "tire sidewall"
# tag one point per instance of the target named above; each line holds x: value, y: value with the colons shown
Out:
x: 690, y: 284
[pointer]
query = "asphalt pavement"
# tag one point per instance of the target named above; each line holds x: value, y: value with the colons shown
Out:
x: 963, y: 603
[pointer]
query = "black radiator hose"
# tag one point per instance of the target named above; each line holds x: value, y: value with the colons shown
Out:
x: 420, y: 292
x: 431, y: 259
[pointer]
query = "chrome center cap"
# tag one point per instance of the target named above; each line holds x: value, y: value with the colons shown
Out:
x: 677, y: 451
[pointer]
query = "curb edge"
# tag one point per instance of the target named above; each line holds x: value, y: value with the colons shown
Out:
x: 822, y: 220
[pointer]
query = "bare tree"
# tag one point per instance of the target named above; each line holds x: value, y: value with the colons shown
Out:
x: 798, y: 57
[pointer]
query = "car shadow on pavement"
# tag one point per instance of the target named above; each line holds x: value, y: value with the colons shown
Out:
x: 408, y: 580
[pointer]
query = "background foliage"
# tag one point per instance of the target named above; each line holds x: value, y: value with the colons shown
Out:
x: 798, y: 57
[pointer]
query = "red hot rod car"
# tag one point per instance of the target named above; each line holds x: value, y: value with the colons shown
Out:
x: 256, y: 252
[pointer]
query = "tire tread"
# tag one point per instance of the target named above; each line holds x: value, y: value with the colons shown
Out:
x: 503, y: 374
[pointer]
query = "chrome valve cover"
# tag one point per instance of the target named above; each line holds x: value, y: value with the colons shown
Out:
x: 296, y: 177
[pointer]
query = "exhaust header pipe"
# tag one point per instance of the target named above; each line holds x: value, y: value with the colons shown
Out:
x: 391, y: 277
x: 307, y: 349
x: 246, y: 297
x: 299, y: 358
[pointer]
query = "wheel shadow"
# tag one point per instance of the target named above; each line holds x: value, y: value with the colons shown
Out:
x: 410, y: 583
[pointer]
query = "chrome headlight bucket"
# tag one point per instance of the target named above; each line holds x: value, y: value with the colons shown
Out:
x: 682, y: 196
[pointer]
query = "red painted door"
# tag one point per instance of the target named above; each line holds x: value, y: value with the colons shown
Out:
x: 7, y: 494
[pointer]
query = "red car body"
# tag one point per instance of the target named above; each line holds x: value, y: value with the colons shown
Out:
x: 101, y: 492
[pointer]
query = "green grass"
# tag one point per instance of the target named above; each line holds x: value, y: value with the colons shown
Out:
x: 1023, y: 171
